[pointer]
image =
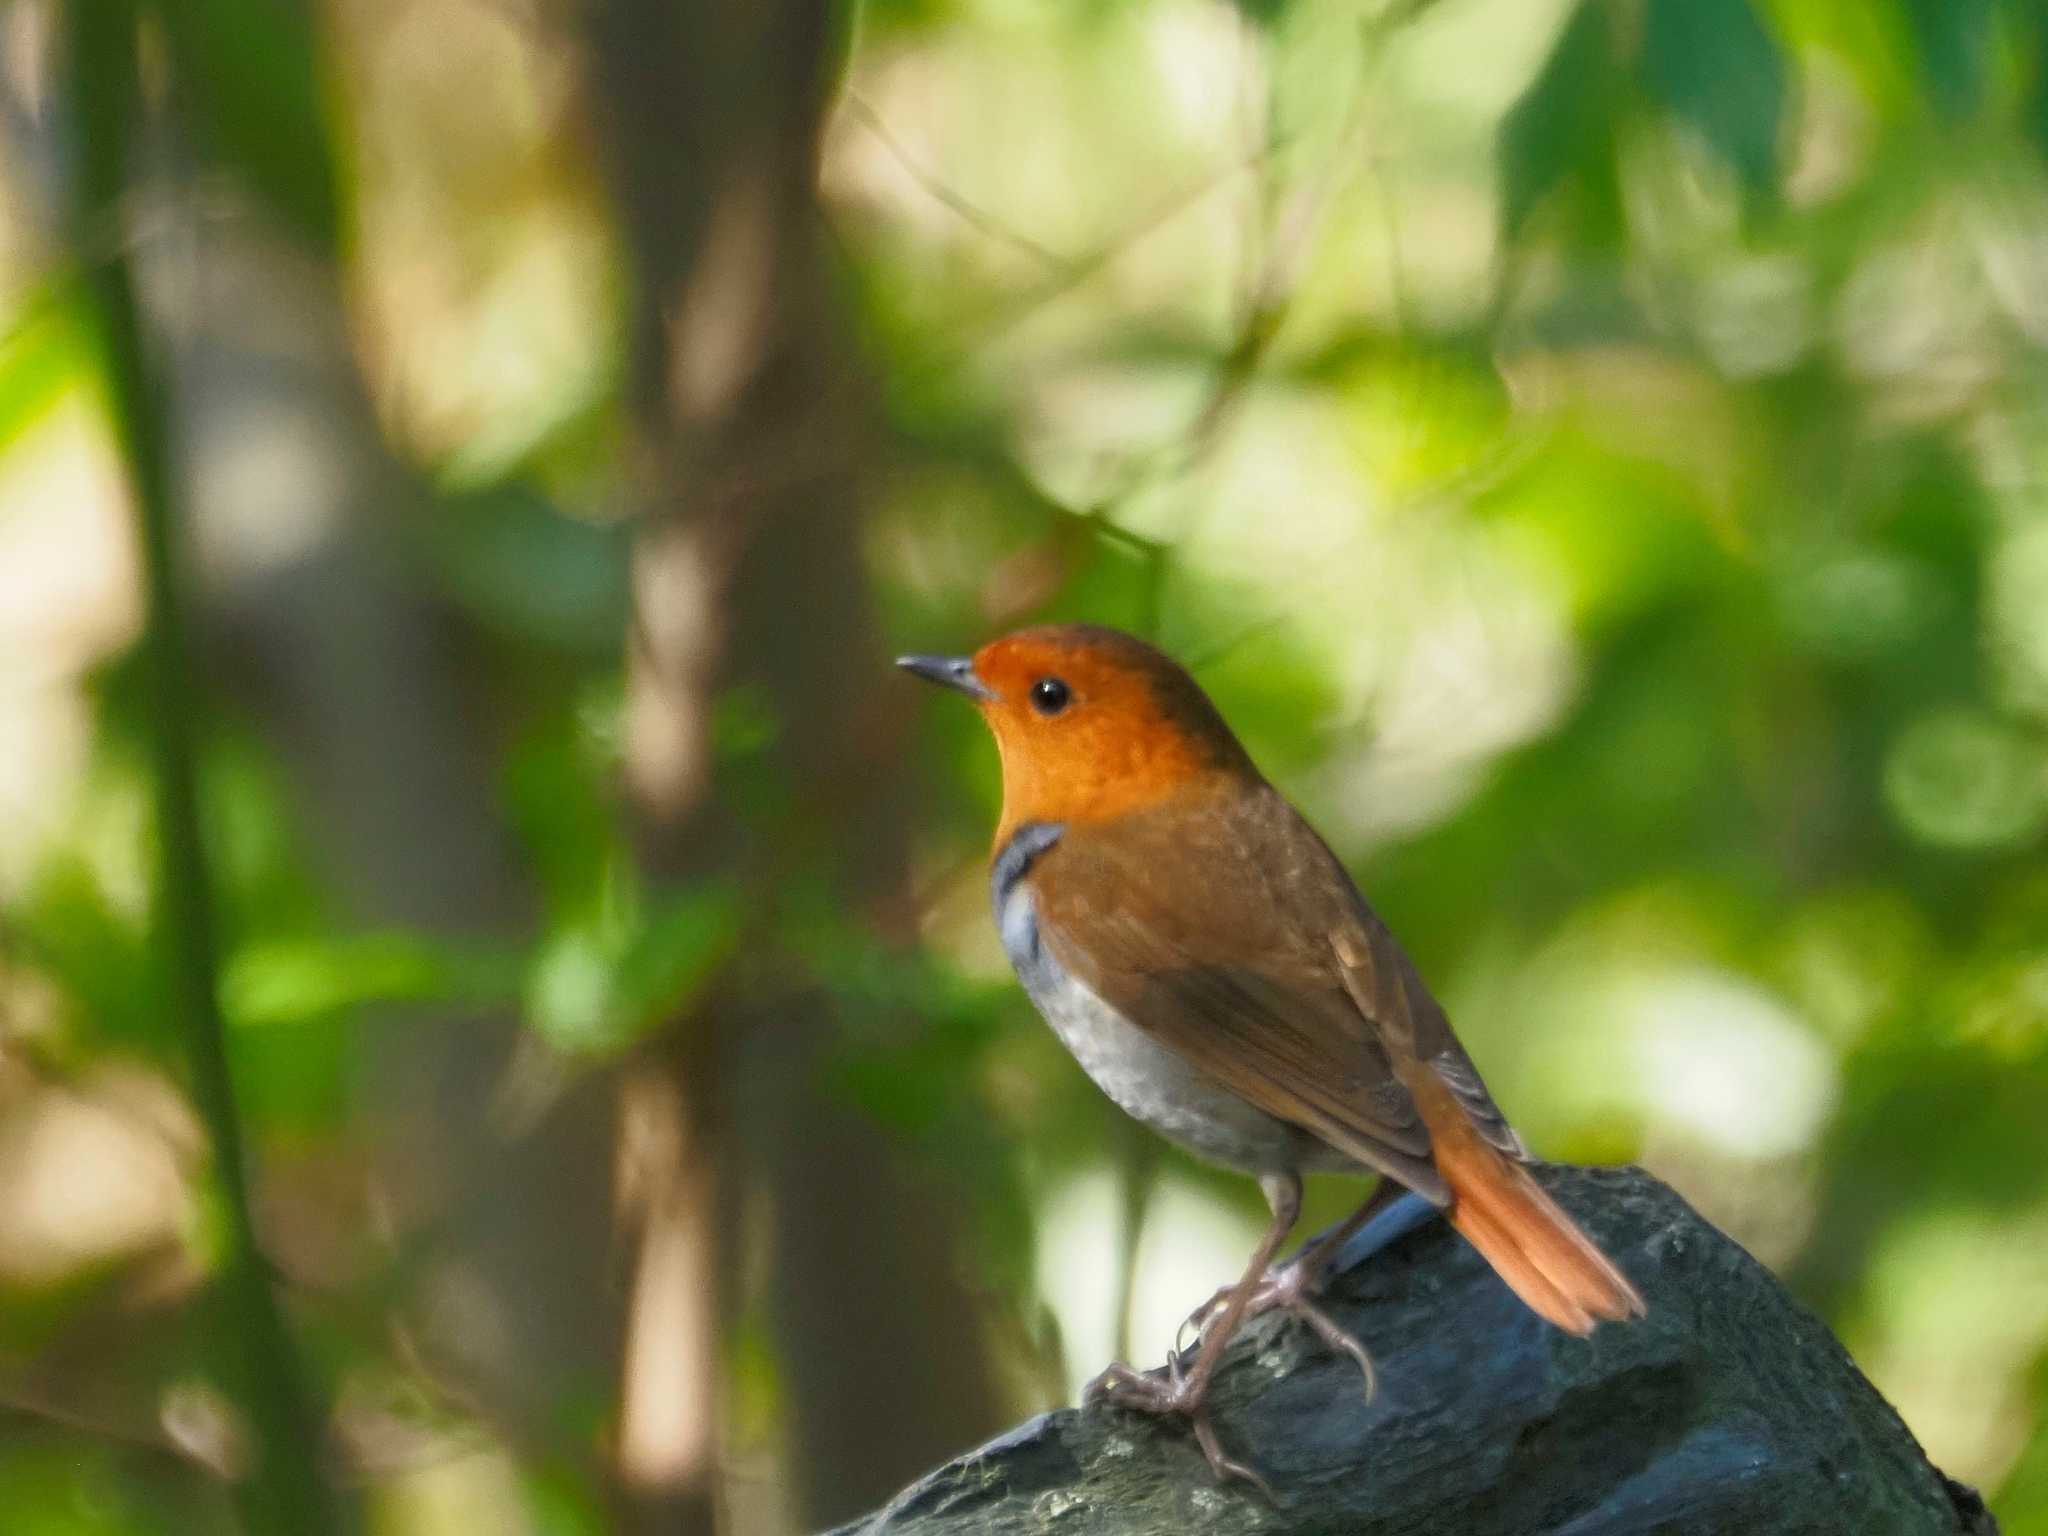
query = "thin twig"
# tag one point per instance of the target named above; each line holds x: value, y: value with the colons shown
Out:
x: 982, y: 331
x: 285, y: 1490
x: 970, y: 213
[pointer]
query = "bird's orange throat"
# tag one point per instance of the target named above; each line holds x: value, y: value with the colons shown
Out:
x: 1091, y: 772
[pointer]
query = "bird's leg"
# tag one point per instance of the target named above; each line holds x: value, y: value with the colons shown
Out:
x: 1293, y: 1286
x: 1304, y: 1274
x: 1188, y: 1394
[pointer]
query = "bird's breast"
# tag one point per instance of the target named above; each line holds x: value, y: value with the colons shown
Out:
x: 1144, y: 1079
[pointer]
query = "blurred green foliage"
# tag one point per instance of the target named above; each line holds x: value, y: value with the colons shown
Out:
x: 1596, y: 452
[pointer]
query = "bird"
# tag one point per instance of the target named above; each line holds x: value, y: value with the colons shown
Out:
x: 1207, y: 959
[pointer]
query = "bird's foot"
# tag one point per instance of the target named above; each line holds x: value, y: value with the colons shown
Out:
x: 1291, y: 1288
x: 1174, y: 1392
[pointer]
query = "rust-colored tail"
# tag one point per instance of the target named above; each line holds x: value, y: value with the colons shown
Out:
x: 1533, y: 1245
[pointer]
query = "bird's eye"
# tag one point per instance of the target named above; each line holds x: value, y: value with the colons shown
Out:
x: 1049, y: 696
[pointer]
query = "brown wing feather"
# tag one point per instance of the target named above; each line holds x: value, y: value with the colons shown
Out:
x: 1385, y: 985
x: 1228, y: 939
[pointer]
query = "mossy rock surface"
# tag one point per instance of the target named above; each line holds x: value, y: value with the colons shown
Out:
x: 1730, y: 1409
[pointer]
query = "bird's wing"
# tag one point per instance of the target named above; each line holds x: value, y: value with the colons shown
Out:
x: 1233, y: 937
x: 1384, y: 986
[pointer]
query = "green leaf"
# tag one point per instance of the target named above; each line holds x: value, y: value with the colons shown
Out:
x: 2036, y: 115
x: 596, y: 989
x: 1963, y: 778
x: 558, y: 794
x: 1265, y: 13
x: 1954, y: 38
x: 45, y: 354
x: 568, y: 992
x: 515, y: 561
x: 252, y: 70
x: 75, y: 1485
x: 297, y: 980
x: 1562, y: 129
x: 71, y: 928
x: 1718, y: 70
x: 675, y: 953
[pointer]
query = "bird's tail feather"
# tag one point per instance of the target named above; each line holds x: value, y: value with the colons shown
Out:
x: 1534, y: 1246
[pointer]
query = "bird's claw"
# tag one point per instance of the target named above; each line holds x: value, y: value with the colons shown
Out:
x: 1175, y: 1393
x: 1199, y: 1319
x: 1326, y: 1329
x: 1225, y: 1467
x: 1289, y: 1288
x: 1116, y: 1383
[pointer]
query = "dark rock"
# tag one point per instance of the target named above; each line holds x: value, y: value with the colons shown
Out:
x: 1730, y: 1409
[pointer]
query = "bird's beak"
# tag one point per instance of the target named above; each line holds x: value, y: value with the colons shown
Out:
x: 956, y: 672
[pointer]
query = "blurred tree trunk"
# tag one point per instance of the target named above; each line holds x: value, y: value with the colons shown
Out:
x: 334, y: 636
x: 322, y: 625
x: 749, y: 577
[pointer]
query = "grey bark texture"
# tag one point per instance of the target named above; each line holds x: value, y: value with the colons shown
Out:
x: 1730, y: 1409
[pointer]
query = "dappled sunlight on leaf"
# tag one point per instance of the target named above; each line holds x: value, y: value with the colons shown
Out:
x: 1726, y: 1062
x: 90, y: 1174
x: 1961, y: 778
x: 1956, y: 1306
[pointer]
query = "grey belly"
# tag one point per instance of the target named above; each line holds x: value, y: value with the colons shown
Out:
x: 1145, y: 1079
x: 1158, y: 1089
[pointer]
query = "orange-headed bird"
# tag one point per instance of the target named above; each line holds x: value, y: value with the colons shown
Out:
x: 1210, y: 964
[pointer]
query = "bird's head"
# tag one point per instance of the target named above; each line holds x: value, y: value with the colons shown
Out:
x: 1090, y: 723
